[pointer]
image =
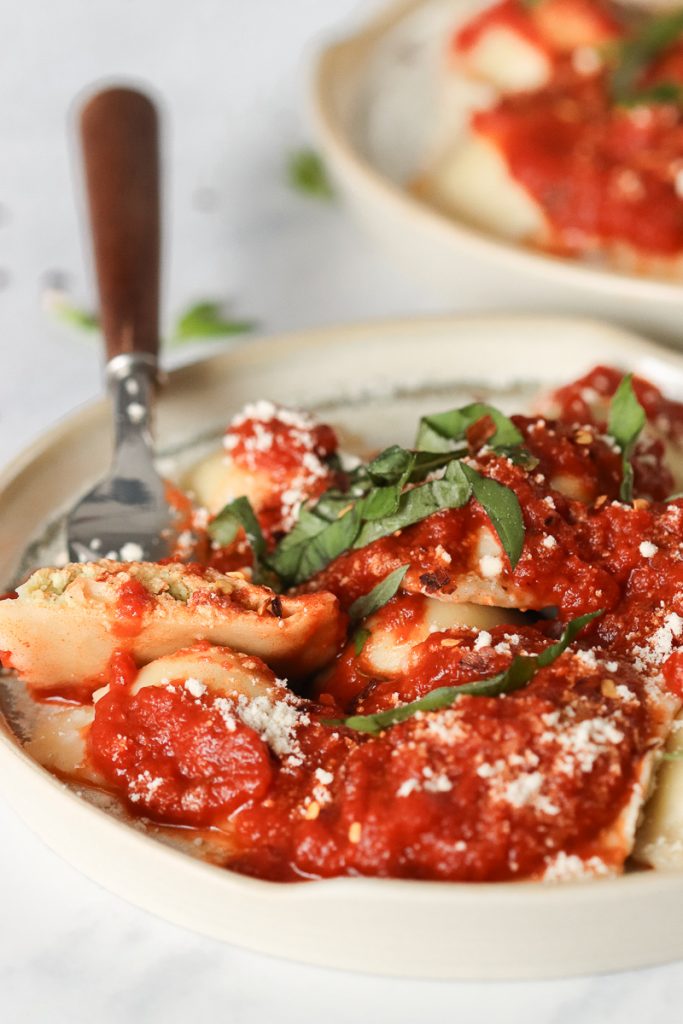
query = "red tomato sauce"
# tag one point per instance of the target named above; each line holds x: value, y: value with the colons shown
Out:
x: 488, y: 788
x: 603, y: 173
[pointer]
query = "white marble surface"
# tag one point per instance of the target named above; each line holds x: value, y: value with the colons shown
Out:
x: 232, y: 74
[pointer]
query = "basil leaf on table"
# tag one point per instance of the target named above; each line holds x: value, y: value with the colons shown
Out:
x: 207, y: 320
x: 519, y: 674
x: 307, y: 174
x: 625, y: 423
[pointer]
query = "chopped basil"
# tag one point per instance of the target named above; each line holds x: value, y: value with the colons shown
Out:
x: 378, y: 596
x: 239, y: 515
x: 452, y: 491
x: 637, y: 52
x: 675, y: 497
x: 520, y: 672
x: 307, y: 174
x: 503, y: 509
x: 672, y: 755
x: 626, y: 421
x: 442, y: 431
x: 207, y: 320
x: 342, y: 520
x: 377, y: 504
x: 314, y: 543
x: 360, y: 638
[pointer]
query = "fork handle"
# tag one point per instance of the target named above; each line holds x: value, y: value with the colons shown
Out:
x: 120, y: 143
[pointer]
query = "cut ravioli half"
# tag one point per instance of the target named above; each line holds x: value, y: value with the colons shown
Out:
x: 65, y: 624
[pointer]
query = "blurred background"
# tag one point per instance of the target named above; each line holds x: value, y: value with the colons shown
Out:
x: 232, y: 77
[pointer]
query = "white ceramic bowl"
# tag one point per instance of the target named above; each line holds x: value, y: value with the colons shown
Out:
x: 423, y: 929
x: 372, y: 107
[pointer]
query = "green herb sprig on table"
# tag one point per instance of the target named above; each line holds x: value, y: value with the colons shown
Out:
x: 307, y: 174
x: 207, y: 319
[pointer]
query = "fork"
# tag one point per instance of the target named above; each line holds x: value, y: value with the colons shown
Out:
x: 126, y: 516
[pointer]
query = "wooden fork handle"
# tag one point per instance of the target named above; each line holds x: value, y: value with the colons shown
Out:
x: 120, y: 142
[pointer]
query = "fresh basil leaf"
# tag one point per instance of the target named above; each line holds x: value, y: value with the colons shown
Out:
x: 57, y: 302
x: 452, y: 491
x: 307, y: 174
x: 519, y: 674
x: 662, y: 92
x: 207, y: 320
x: 625, y: 422
x: 360, y: 638
x: 381, y: 502
x: 503, y: 509
x: 636, y: 54
x: 391, y: 466
x: 239, y: 515
x: 441, y: 431
x: 517, y: 455
x: 378, y: 596
x: 319, y: 548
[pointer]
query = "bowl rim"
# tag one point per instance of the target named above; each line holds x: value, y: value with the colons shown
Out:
x: 41, y: 798
x: 329, y: 73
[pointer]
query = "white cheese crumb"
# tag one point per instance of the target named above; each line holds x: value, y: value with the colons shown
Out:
x: 131, y: 552
x: 524, y: 789
x: 660, y: 645
x: 325, y: 778
x: 275, y: 722
x: 438, y: 784
x: 490, y: 565
x: 549, y: 541
x: 565, y: 867
x: 483, y: 640
x: 407, y: 787
x: 195, y: 687
x: 443, y: 554
x: 648, y: 549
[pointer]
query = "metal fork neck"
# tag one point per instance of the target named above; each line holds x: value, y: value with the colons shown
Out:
x: 131, y: 383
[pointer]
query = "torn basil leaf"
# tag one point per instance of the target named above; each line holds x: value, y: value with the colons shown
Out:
x: 360, y: 638
x: 637, y: 52
x: 625, y: 423
x: 239, y: 515
x: 442, y: 431
x: 307, y: 174
x: 503, y: 509
x: 519, y: 674
x: 207, y: 320
x: 378, y: 596
x: 452, y: 491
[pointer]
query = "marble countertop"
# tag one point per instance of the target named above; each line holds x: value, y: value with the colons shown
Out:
x: 233, y: 76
